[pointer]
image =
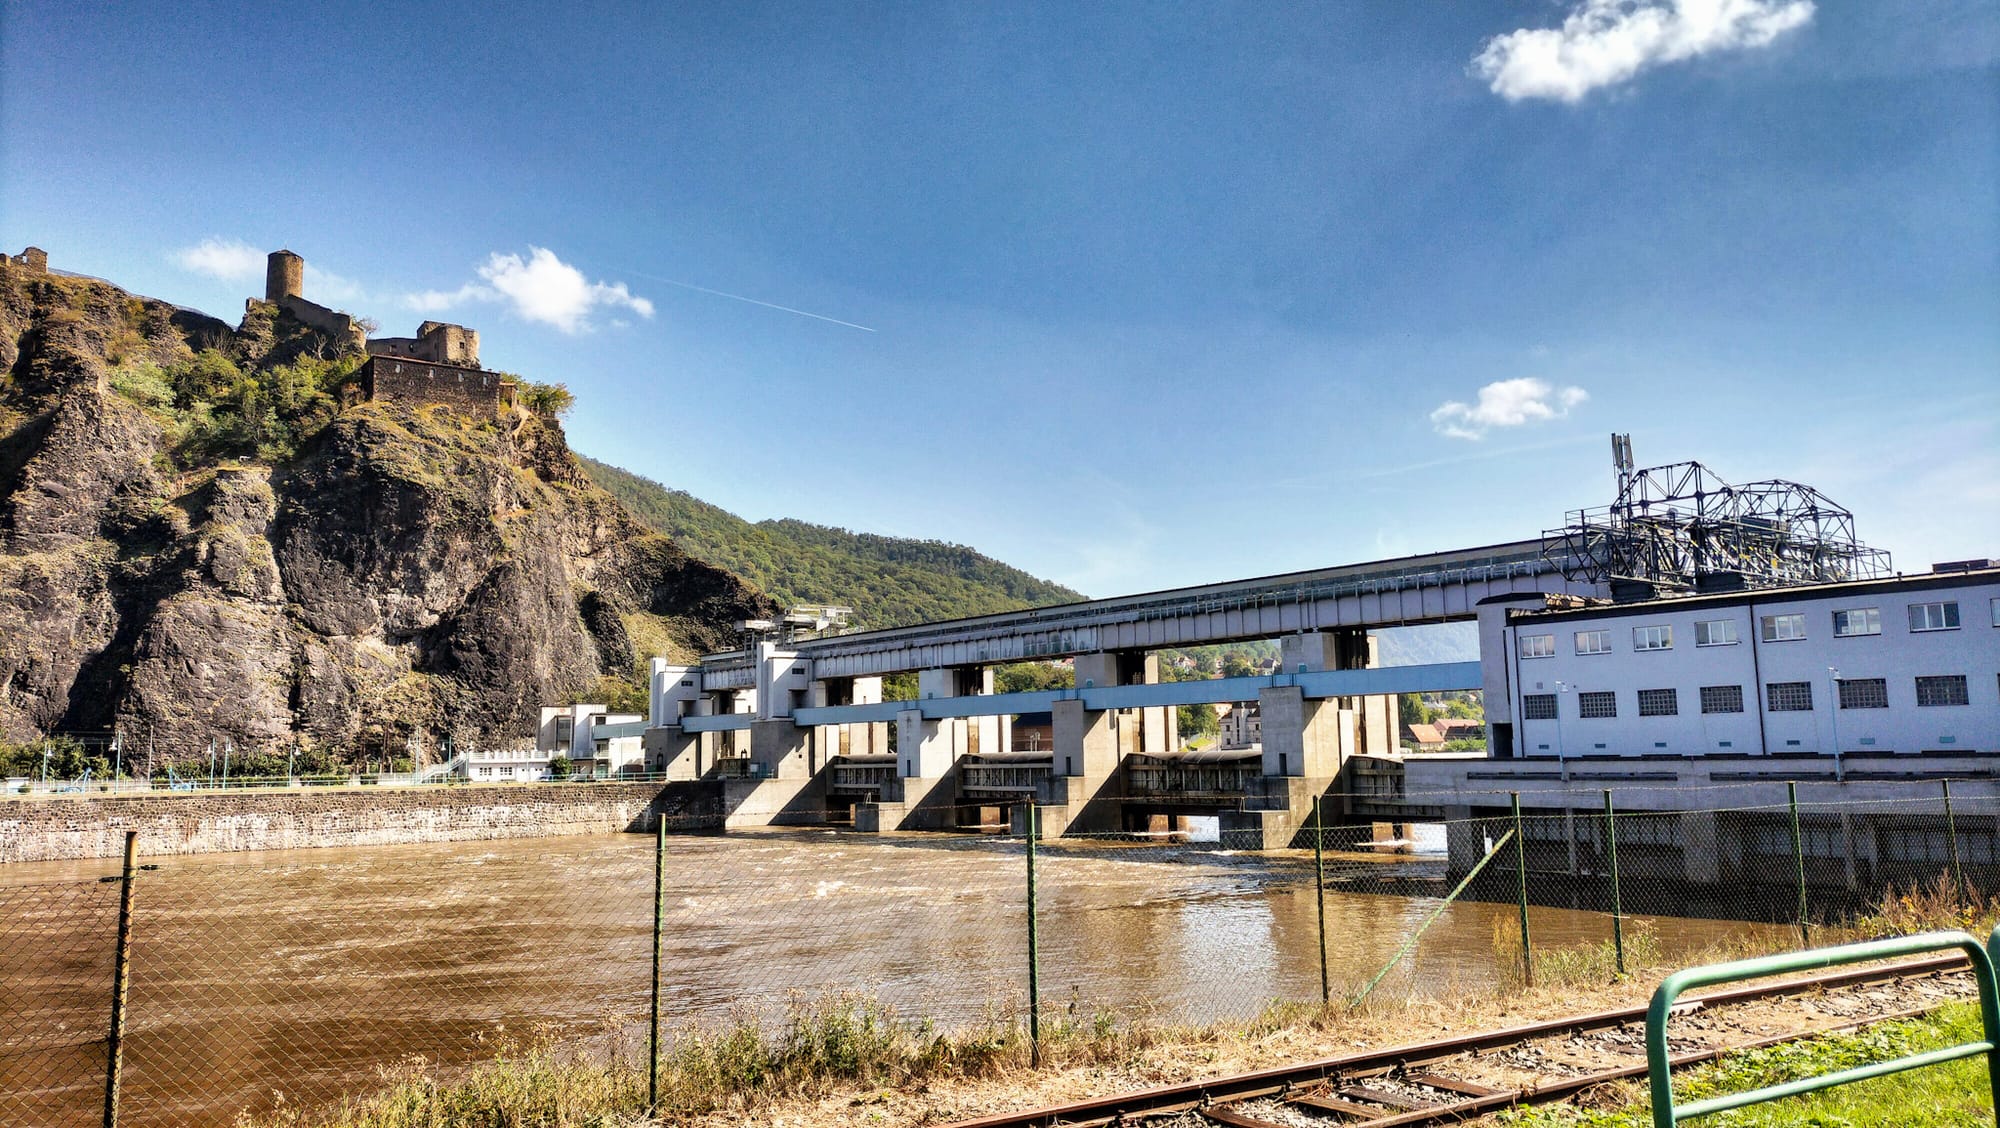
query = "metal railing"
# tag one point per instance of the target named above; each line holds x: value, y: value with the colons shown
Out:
x: 1003, y: 777
x: 240, y: 970
x: 1666, y: 1113
x: 862, y: 776
x: 1220, y: 780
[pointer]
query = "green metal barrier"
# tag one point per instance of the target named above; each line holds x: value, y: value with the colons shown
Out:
x: 1666, y: 1115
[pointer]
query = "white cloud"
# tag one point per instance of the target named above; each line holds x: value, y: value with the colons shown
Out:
x: 231, y: 260
x: 1606, y: 42
x: 437, y: 301
x: 540, y: 287
x: 1505, y: 403
x: 324, y: 286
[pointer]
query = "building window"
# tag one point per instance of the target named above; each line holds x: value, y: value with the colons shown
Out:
x: 1538, y: 707
x: 1860, y: 621
x: 1599, y: 704
x: 1538, y: 646
x: 1715, y: 632
x: 1784, y: 628
x: 1658, y: 703
x: 485, y: 771
x: 1863, y: 693
x: 1652, y: 638
x: 1789, y: 697
x: 507, y: 771
x: 1722, y: 699
x: 1934, y: 616
x: 1946, y: 690
x: 1593, y: 642
x: 1996, y: 610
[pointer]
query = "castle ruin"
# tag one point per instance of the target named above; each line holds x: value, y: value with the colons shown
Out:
x: 35, y: 260
x: 440, y: 365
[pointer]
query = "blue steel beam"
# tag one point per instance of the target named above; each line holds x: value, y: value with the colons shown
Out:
x: 1437, y: 677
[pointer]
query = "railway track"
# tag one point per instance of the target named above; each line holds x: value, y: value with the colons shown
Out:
x: 1456, y: 1079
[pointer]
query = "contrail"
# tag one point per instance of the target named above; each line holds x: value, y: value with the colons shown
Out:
x: 741, y: 298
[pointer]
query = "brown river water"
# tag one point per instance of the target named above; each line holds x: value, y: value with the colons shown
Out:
x: 278, y: 978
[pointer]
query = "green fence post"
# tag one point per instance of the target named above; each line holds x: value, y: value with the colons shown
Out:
x: 1521, y: 892
x: 1799, y: 861
x: 1319, y: 882
x: 1034, y: 955
x: 1667, y: 1114
x: 659, y: 916
x: 1951, y: 836
x: 1617, y: 906
x: 121, y: 984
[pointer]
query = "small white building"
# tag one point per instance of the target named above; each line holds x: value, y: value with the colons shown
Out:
x: 1242, y: 725
x: 1905, y: 665
x: 505, y: 765
x: 576, y: 732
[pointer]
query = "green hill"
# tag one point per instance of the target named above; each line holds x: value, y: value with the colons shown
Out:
x: 888, y: 581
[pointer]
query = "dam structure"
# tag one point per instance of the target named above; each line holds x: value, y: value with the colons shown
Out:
x: 1673, y: 638
x: 800, y: 723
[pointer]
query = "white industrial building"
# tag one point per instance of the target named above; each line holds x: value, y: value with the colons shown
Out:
x: 1903, y: 665
x: 584, y: 735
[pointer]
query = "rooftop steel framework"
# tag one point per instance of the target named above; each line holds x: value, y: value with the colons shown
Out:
x: 1679, y: 527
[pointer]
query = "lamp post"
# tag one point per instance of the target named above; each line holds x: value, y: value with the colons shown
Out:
x: 1833, y: 711
x: 1562, y: 764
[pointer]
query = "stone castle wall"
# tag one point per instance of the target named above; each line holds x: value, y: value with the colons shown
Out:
x: 471, y: 390
x: 62, y: 828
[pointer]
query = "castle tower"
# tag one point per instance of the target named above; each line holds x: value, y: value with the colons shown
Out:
x: 284, y: 276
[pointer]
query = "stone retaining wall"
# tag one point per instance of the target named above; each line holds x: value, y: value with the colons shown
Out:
x: 61, y: 828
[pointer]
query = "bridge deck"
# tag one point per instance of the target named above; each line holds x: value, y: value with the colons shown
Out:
x: 1430, y: 588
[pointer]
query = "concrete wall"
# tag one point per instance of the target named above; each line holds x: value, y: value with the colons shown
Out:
x: 62, y: 828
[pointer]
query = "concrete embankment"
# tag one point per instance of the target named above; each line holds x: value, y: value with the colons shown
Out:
x: 59, y: 828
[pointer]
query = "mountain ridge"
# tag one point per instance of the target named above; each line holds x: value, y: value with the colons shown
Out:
x: 887, y: 581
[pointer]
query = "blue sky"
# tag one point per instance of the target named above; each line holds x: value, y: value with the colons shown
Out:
x: 1129, y: 296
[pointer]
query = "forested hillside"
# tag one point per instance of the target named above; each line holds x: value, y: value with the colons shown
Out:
x: 888, y: 581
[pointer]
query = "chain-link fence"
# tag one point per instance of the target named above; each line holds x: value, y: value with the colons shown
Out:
x: 260, y: 983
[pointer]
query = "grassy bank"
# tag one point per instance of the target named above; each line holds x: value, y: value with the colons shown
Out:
x: 1954, y: 1095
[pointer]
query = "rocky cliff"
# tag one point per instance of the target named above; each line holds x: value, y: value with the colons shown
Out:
x: 197, y: 542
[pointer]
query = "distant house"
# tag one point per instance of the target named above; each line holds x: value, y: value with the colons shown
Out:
x: 507, y: 765
x: 1242, y: 725
x: 1461, y: 728
x: 1423, y: 738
